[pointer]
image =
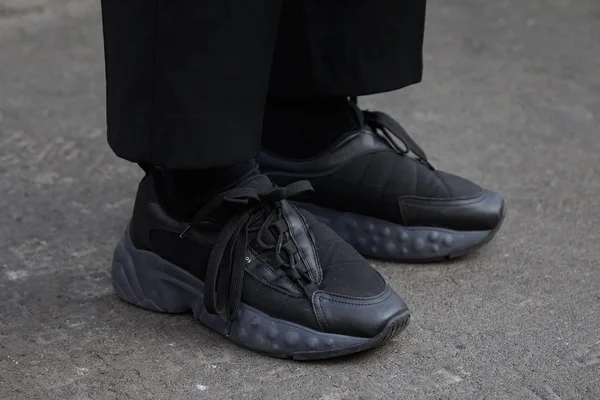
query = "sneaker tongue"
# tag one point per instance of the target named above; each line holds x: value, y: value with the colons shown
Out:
x: 253, y: 180
x: 259, y: 182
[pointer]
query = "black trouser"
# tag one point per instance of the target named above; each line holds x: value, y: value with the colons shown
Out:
x: 187, y: 80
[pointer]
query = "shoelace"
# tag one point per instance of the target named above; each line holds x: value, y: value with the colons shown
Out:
x: 224, y: 277
x: 393, y: 133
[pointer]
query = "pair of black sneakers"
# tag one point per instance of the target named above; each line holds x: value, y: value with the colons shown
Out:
x: 288, y: 278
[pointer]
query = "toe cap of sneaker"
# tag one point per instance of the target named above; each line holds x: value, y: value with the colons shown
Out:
x: 358, y: 316
x: 480, y: 212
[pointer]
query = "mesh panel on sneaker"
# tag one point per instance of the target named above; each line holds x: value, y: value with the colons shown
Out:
x: 340, y: 261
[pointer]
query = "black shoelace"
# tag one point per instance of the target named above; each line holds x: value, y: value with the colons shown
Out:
x: 392, y: 132
x: 255, y: 212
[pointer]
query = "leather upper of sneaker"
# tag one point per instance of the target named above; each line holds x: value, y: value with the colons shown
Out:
x: 381, y: 172
x: 331, y: 288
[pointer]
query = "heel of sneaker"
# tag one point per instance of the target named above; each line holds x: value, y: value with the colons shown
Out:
x: 138, y: 279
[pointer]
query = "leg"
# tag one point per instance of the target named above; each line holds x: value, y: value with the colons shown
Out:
x: 327, y: 51
x: 179, y: 101
x: 347, y: 48
x: 187, y: 82
x: 374, y: 184
x: 177, y: 95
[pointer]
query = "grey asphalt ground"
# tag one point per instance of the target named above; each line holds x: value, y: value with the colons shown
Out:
x: 510, y: 99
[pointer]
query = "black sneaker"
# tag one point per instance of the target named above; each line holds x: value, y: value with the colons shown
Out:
x: 377, y: 190
x: 257, y: 270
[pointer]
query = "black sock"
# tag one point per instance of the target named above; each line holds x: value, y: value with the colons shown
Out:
x: 301, y: 128
x: 183, y: 192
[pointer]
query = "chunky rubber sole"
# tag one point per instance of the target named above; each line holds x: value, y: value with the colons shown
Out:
x: 145, y: 279
x: 384, y: 240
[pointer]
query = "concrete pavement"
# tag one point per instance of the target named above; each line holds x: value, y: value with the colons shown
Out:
x: 511, y: 99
